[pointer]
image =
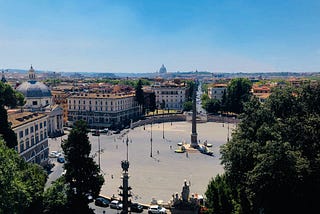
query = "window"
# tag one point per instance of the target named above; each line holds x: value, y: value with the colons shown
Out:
x: 40, y: 125
x: 26, y: 132
x: 21, y: 146
x: 45, y: 123
x: 27, y: 143
x: 34, y: 103
x: 31, y: 129
x: 32, y: 140
x: 37, y: 138
x: 36, y: 127
x: 21, y: 134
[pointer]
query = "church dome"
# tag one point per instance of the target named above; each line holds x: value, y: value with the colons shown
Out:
x: 33, y: 88
x: 163, y: 70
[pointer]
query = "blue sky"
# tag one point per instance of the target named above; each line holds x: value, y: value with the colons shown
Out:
x: 141, y: 35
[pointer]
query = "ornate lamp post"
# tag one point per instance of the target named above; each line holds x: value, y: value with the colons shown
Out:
x: 125, y: 183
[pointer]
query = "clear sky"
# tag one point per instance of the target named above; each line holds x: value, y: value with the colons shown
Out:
x: 141, y: 35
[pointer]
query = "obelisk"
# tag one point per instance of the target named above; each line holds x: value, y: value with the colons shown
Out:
x: 194, y: 139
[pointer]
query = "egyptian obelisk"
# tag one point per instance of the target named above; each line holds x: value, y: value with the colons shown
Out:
x: 194, y: 135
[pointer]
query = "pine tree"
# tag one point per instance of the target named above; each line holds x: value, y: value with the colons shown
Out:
x: 82, y: 173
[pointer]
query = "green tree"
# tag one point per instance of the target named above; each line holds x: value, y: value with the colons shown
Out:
x: 187, y: 106
x: 8, y: 98
x: 224, y: 101
x: 21, y: 183
x: 212, y: 106
x: 139, y: 93
x: 153, y: 105
x: 82, y: 173
x: 191, y: 85
x: 55, y: 199
x: 272, y: 161
x: 238, y: 92
x: 218, y: 194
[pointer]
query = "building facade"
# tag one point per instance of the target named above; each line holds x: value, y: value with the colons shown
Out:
x: 217, y: 91
x: 31, y: 131
x: 55, y: 120
x: 103, y: 110
x: 60, y: 98
x: 169, y: 96
x: 38, y: 98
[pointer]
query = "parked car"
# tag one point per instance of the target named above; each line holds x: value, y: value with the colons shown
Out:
x: 53, y: 154
x: 116, y: 131
x: 102, y: 202
x: 60, y: 159
x: 89, y: 197
x: 115, y: 204
x: 96, y: 133
x: 135, y: 207
x: 156, y: 209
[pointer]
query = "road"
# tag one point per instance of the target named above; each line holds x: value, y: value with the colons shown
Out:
x: 198, y: 100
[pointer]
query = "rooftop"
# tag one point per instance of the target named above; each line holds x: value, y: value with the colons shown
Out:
x: 98, y: 95
x: 20, y: 118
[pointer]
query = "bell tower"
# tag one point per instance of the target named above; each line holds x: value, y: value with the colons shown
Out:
x: 32, y: 74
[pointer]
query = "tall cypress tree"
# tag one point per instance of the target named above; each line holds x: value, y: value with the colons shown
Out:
x: 82, y: 173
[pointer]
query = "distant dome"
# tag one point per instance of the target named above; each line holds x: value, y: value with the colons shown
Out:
x: 33, y: 88
x: 163, y: 70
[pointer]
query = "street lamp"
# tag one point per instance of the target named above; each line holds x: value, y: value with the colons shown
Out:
x: 151, y: 141
x: 99, y: 148
x: 163, y: 129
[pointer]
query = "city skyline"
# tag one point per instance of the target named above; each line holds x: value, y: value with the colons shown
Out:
x: 139, y: 36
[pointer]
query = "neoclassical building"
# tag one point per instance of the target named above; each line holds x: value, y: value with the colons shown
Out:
x: 39, y: 99
x: 37, y: 94
x: 103, y: 110
x: 169, y: 95
x: 216, y: 91
x: 31, y: 130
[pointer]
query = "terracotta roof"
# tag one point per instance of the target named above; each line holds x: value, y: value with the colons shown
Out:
x: 21, y: 118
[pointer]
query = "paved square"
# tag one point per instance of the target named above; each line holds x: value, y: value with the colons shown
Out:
x: 163, y: 174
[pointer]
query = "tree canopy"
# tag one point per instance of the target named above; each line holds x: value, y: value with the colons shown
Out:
x: 21, y: 183
x: 8, y: 98
x: 272, y: 162
x: 139, y: 93
x: 82, y: 173
x: 187, y: 106
x: 238, y: 92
